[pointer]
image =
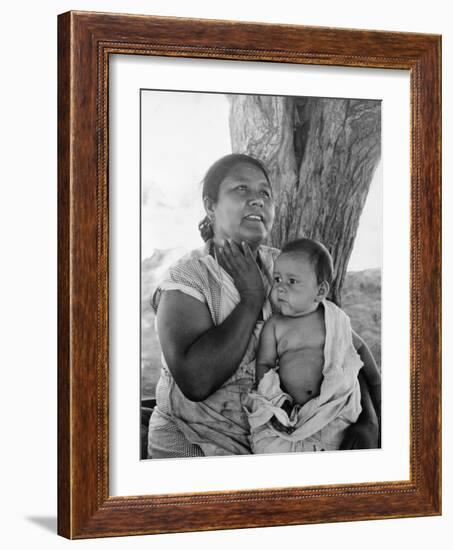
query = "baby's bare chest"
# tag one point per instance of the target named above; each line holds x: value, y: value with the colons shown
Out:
x: 300, y: 334
x: 300, y: 346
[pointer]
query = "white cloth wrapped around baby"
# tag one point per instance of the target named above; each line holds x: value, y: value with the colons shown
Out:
x: 319, y: 424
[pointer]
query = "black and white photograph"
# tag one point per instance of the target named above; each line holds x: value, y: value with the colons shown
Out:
x: 261, y: 257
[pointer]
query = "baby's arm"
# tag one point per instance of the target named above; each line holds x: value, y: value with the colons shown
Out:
x: 266, y: 357
x: 370, y: 371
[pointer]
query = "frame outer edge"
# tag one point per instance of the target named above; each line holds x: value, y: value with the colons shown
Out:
x: 428, y: 272
x: 79, y: 401
x: 88, y: 302
x: 64, y: 299
x: 426, y: 276
x: 439, y: 168
x: 432, y: 140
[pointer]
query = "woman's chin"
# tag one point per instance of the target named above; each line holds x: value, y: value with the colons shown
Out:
x: 254, y: 239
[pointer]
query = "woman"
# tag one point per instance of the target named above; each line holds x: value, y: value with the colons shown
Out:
x: 210, y: 311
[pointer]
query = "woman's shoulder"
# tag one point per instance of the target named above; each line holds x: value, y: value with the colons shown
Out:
x: 196, y: 267
x: 269, y: 250
x: 187, y: 275
x: 191, y: 258
x: 269, y: 255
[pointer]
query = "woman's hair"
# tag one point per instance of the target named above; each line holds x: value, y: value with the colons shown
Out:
x: 214, y: 177
x: 316, y: 253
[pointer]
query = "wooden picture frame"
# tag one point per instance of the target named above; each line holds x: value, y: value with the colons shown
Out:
x: 85, y: 42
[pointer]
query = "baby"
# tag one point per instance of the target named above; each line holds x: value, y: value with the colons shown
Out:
x: 316, y: 395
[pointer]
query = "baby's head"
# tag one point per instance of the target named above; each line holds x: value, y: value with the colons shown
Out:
x: 302, y: 277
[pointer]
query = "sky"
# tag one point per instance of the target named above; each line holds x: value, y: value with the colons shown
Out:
x: 183, y: 133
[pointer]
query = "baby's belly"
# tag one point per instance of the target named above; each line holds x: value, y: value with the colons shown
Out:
x: 301, y: 374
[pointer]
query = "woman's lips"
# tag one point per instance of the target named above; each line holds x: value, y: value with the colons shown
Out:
x: 256, y: 218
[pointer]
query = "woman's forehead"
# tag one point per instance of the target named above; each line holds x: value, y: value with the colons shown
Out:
x: 245, y: 171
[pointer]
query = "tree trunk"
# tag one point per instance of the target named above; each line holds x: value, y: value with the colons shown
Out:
x: 321, y: 155
x: 262, y: 126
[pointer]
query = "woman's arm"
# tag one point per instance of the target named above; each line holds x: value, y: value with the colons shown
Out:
x: 370, y: 371
x: 365, y: 433
x: 201, y: 356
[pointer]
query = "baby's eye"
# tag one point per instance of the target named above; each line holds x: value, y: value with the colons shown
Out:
x: 241, y: 187
x: 266, y: 193
x: 277, y: 279
x: 292, y: 281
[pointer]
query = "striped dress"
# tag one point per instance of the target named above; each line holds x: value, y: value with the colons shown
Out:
x: 218, y: 425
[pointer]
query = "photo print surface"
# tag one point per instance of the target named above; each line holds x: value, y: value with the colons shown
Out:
x: 261, y: 248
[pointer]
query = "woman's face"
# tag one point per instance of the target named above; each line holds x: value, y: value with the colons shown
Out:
x: 244, y: 210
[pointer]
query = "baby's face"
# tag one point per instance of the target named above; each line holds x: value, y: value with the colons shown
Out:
x: 296, y: 289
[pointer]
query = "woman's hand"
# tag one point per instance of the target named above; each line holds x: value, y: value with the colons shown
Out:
x: 242, y: 267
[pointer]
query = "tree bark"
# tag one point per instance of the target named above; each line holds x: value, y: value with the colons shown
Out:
x: 321, y: 155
